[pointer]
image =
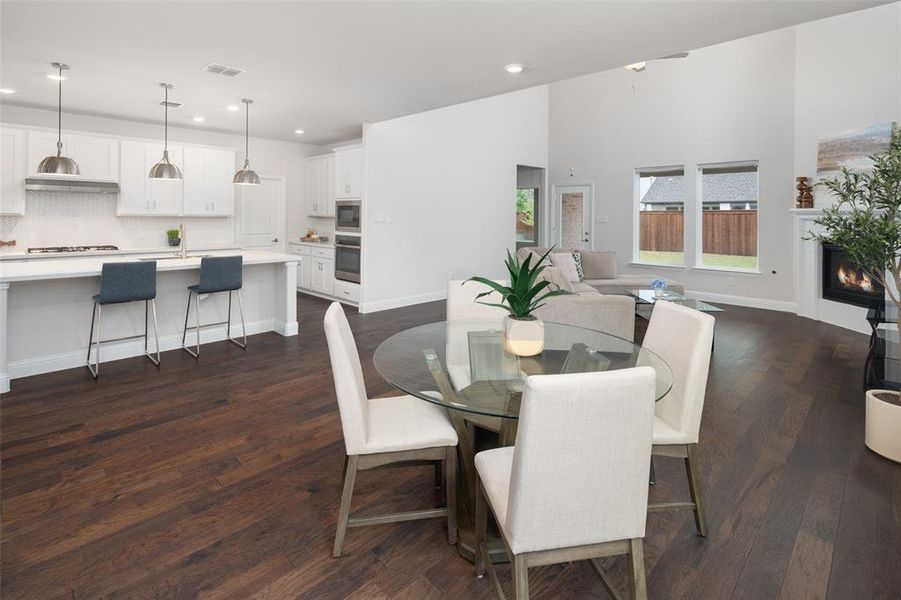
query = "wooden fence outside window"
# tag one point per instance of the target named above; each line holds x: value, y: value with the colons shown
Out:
x: 731, y: 232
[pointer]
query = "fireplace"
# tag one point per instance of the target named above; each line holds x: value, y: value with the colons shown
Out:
x: 844, y: 281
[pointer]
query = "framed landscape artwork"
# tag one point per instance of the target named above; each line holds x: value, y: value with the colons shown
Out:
x: 850, y: 149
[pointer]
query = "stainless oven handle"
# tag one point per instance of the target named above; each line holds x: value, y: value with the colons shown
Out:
x: 347, y: 246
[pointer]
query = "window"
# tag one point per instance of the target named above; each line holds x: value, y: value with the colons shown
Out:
x: 526, y: 217
x: 728, y: 194
x: 661, y: 216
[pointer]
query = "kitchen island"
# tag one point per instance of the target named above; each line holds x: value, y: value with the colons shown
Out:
x: 45, y: 307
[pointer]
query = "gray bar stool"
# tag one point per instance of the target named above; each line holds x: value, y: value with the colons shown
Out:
x: 121, y: 283
x: 217, y: 274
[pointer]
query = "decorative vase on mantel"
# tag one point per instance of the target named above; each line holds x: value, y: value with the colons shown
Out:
x: 523, y: 336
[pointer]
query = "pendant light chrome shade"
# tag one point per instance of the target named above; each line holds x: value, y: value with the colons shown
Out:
x: 59, y: 164
x: 246, y: 176
x: 165, y: 169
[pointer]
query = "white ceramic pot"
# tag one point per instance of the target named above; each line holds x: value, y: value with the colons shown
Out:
x: 883, y: 429
x: 524, y: 337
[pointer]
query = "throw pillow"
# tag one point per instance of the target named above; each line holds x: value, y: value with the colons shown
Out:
x: 577, y: 258
x: 566, y: 263
x: 599, y: 265
x: 557, y: 279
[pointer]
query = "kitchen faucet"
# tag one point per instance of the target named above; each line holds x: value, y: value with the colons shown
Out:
x: 184, y: 241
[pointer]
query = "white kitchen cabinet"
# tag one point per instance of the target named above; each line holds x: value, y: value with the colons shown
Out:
x: 347, y: 291
x: 13, y: 166
x: 304, y: 273
x: 208, y: 188
x: 97, y: 157
x: 349, y: 172
x: 323, y: 275
x: 320, y: 175
x: 140, y: 195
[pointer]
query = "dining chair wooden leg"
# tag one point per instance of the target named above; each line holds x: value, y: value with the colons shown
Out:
x: 520, y: 577
x: 343, y: 472
x: 450, y: 493
x: 694, y: 488
x: 344, y: 512
x: 639, y: 582
x: 481, y: 530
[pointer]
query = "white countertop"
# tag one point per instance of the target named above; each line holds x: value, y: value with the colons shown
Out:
x: 23, y: 255
x: 328, y: 244
x: 91, y: 266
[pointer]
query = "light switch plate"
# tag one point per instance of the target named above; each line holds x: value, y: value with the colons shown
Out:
x: 601, y: 219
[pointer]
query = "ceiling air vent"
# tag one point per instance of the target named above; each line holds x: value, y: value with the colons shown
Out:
x: 170, y: 103
x: 223, y: 70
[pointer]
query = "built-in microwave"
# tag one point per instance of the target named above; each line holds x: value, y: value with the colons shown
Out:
x: 347, y: 215
x: 347, y: 258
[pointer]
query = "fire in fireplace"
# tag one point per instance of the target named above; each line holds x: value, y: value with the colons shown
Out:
x: 844, y: 281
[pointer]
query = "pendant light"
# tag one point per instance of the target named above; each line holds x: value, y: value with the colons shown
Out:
x: 246, y: 176
x: 59, y: 164
x: 165, y: 169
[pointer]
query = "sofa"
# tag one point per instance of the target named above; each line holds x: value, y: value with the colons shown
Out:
x: 604, y: 277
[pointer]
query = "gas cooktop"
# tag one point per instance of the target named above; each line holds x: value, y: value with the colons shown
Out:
x: 55, y: 249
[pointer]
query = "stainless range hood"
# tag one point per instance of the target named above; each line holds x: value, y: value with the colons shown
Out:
x: 70, y: 183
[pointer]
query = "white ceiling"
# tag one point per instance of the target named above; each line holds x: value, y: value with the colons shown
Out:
x: 327, y: 67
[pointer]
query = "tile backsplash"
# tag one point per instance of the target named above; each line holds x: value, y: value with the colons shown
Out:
x: 68, y: 219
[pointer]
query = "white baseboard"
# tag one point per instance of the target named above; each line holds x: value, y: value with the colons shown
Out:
x: 371, y: 307
x: 4, y: 383
x: 123, y: 349
x: 286, y: 329
x: 780, y: 305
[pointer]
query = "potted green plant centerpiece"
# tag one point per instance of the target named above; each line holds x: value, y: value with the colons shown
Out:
x: 865, y: 223
x: 523, y: 331
x: 172, y: 235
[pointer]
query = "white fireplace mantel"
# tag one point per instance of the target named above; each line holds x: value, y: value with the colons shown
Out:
x: 808, y: 278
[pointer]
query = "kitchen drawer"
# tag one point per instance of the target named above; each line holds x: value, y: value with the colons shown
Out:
x: 347, y: 291
x: 323, y: 252
x: 299, y: 250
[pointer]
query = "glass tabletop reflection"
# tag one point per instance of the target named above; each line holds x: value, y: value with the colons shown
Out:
x: 464, y: 365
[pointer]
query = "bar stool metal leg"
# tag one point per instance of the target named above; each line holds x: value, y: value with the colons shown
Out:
x: 156, y: 334
x: 184, y: 334
x: 95, y: 316
x: 228, y: 331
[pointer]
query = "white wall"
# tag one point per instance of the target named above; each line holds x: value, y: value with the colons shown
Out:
x: 848, y: 76
x: 447, y: 180
x: 268, y: 157
x: 767, y: 97
x: 731, y: 102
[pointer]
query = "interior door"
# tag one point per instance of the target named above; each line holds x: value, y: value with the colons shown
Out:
x: 260, y: 214
x: 573, y: 207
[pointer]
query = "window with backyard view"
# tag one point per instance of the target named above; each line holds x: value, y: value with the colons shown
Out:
x: 661, y: 216
x: 526, y: 216
x: 729, y: 215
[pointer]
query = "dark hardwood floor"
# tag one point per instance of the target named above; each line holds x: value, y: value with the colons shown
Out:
x: 221, y: 479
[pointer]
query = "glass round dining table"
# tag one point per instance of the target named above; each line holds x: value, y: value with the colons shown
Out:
x: 465, y: 367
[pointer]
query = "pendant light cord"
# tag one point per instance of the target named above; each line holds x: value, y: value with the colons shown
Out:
x: 59, y: 117
x: 166, y: 124
x: 246, y: 133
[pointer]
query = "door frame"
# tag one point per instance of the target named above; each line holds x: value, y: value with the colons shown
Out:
x: 556, y: 237
x: 281, y: 211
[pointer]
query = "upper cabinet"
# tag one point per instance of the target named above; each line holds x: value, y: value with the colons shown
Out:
x: 97, y: 157
x: 349, y: 172
x: 12, y: 171
x: 140, y: 195
x: 208, y: 187
x: 320, y: 185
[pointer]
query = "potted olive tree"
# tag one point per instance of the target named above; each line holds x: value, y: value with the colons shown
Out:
x: 865, y: 222
x: 523, y: 331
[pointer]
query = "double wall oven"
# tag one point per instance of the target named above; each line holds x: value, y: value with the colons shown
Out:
x: 347, y: 257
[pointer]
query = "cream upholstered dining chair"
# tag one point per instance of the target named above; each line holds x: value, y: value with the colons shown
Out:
x: 383, y: 431
x: 683, y: 337
x: 575, y: 485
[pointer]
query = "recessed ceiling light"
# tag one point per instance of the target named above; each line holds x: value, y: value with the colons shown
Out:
x: 7, y: 91
x: 514, y: 68
x: 56, y: 77
x: 199, y: 119
x: 233, y: 108
x: 298, y: 131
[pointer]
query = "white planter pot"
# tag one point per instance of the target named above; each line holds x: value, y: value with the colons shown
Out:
x: 523, y: 337
x: 883, y: 429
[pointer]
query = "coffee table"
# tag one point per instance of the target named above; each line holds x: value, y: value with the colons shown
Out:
x: 645, y: 299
